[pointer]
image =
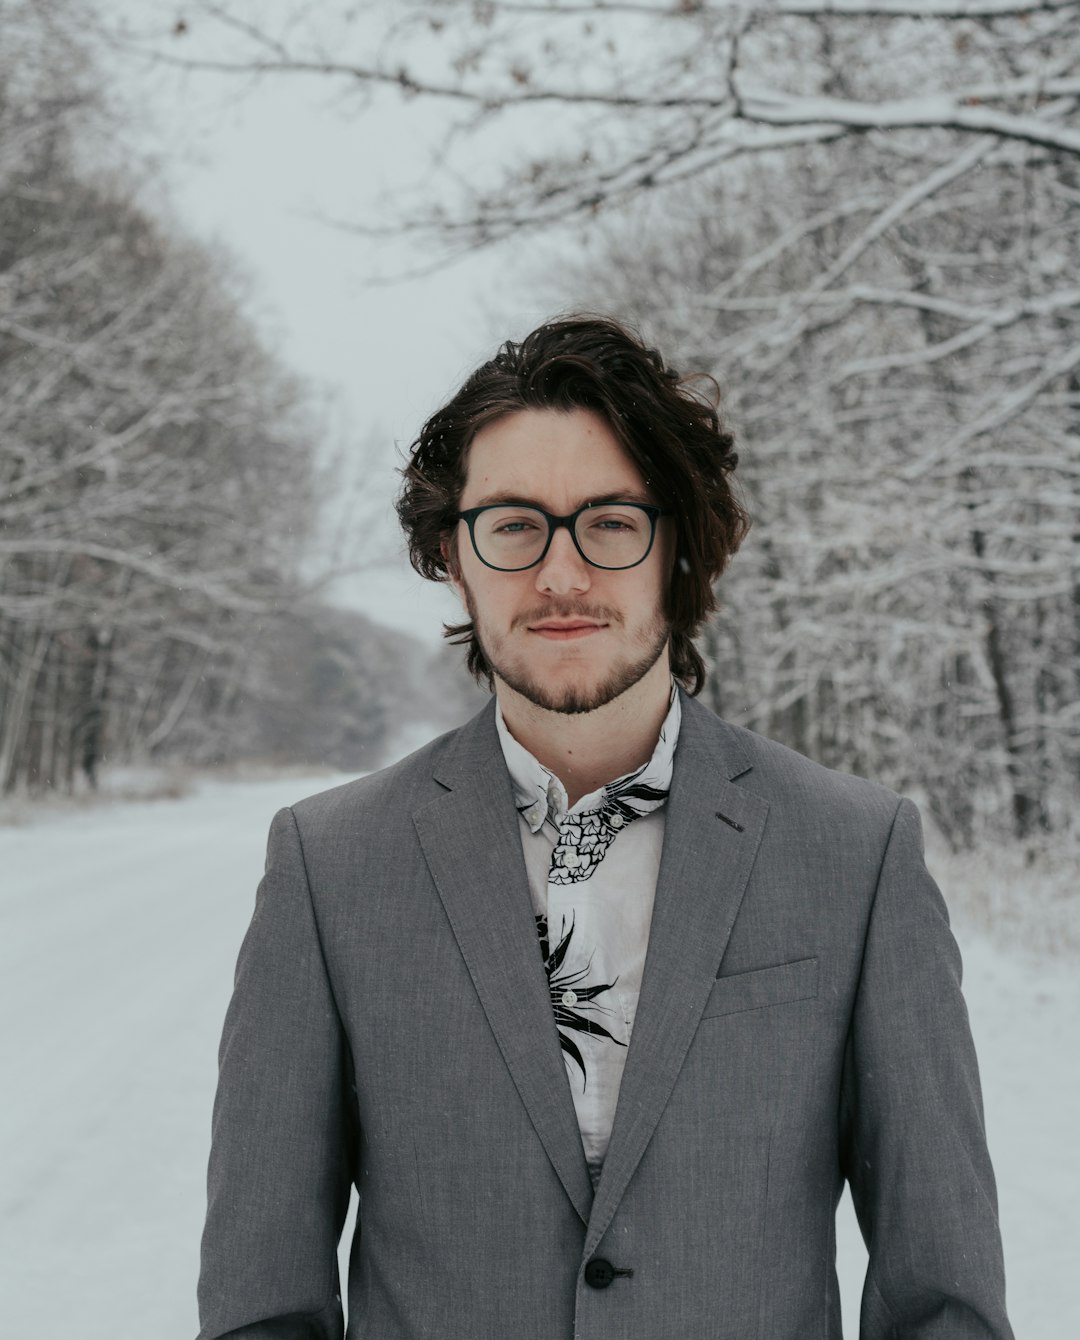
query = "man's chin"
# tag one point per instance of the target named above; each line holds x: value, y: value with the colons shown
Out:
x: 569, y: 701
x: 572, y: 702
x: 572, y: 692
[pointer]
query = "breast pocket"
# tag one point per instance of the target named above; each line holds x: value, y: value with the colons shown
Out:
x: 763, y: 987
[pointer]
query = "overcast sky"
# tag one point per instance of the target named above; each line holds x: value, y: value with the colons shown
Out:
x: 252, y: 166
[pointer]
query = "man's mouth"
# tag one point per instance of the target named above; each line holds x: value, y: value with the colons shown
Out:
x: 561, y: 630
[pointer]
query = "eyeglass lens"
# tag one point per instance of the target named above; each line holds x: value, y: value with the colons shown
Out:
x: 611, y: 536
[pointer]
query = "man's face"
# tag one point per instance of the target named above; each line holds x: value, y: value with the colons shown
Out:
x: 567, y: 636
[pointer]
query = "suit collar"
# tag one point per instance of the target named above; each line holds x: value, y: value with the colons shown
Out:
x: 707, y: 740
x: 469, y: 752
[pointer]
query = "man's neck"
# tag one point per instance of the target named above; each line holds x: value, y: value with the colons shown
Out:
x: 585, y: 750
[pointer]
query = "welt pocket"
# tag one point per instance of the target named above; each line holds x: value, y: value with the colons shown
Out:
x: 764, y: 986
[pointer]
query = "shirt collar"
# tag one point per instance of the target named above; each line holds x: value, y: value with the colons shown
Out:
x: 539, y: 795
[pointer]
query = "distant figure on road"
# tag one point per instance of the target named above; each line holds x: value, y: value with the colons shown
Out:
x: 598, y: 999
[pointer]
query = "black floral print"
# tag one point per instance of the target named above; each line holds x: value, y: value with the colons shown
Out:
x: 570, y: 996
x: 585, y: 838
x: 581, y: 837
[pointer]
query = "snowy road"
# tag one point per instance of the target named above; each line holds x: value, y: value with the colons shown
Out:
x: 118, y: 932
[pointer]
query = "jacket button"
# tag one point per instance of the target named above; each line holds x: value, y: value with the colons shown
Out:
x: 599, y: 1273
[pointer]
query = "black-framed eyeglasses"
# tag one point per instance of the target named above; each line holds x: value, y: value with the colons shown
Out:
x: 511, y: 537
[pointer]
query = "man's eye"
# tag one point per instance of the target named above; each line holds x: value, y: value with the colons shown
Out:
x: 514, y: 527
x: 614, y: 524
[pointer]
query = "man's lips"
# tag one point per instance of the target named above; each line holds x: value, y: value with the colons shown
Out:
x: 560, y: 630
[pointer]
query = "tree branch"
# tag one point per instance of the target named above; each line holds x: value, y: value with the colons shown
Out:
x: 175, y: 579
x: 853, y: 9
x: 1006, y: 409
x: 931, y: 353
x: 919, y: 9
x: 489, y: 99
x: 790, y: 329
x: 774, y: 108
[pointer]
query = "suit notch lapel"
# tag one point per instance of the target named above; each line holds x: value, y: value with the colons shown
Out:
x: 711, y: 836
x: 472, y: 846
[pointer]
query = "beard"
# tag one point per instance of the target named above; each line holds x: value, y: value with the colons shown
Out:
x: 645, y: 648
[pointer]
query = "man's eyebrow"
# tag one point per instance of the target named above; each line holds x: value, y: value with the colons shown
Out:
x: 510, y: 499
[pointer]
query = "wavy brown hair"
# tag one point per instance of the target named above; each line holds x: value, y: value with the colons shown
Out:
x: 671, y: 430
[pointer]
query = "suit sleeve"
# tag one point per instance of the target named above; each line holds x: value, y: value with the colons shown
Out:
x: 914, y: 1141
x: 279, y: 1173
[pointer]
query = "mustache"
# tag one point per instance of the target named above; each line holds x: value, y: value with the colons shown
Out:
x: 570, y: 609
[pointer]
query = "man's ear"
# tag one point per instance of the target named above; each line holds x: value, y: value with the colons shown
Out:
x: 448, y: 549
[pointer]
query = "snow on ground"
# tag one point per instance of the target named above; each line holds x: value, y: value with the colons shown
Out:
x: 119, y: 927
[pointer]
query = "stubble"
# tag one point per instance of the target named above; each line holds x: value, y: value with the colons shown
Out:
x: 642, y: 653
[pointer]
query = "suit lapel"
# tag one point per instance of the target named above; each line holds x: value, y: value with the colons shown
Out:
x: 472, y: 846
x: 704, y: 868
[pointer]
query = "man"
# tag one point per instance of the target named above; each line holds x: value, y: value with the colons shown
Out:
x: 598, y: 999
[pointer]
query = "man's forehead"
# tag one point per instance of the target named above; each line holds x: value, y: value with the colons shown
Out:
x: 522, y: 495
x: 546, y: 452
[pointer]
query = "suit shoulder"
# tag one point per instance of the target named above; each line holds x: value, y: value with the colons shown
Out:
x: 780, y: 773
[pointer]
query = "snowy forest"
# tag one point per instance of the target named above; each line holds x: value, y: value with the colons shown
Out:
x: 860, y: 217
x: 160, y: 484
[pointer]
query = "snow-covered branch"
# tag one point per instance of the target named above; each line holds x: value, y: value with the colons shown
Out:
x: 216, y: 586
x: 795, y: 318
x: 855, y: 9
x: 983, y: 326
x: 775, y: 108
x: 920, y: 9
x: 408, y: 81
x: 1004, y: 409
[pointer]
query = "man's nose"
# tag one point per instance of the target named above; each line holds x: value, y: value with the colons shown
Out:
x: 563, y: 569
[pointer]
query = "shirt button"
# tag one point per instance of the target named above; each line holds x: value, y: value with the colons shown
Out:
x: 616, y: 821
x: 569, y: 997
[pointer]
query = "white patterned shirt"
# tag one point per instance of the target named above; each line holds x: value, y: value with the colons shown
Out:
x: 593, y: 898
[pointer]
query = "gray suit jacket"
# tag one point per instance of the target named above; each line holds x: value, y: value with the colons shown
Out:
x: 800, y: 1022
